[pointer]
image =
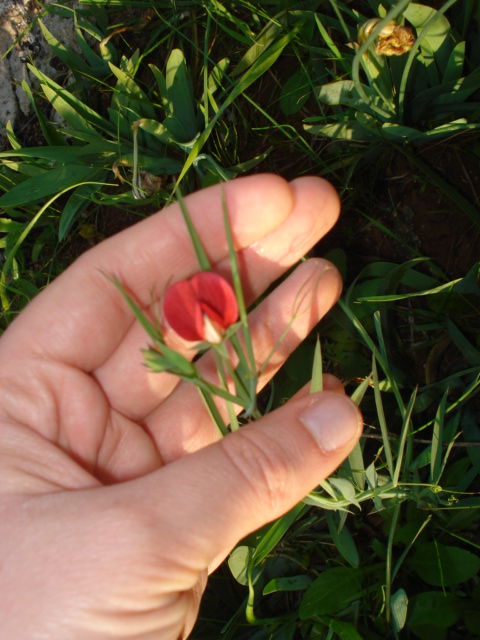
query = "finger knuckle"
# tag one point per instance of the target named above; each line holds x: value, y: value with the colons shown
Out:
x: 262, y: 465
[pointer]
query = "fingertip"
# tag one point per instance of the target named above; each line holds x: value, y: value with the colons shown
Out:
x: 333, y: 384
x: 321, y: 195
x: 334, y: 421
x: 257, y: 205
x: 330, y: 383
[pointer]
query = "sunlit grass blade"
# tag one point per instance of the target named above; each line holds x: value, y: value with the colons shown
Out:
x: 237, y: 285
x: 331, y: 44
x: 317, y: 370
x: 154, y: 332
x: 355, y: 459
x: 361, y: 330
x: 219, y: 362
x: 202, y: 257
x: 276, y: 531
x: 213, y: 411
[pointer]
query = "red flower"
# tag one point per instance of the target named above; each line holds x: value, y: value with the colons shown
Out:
x: 202, y: 308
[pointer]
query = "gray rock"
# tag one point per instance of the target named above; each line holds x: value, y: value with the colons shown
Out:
x: 24, y: 42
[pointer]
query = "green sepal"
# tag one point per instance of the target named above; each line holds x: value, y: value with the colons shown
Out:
x: 170, y: 361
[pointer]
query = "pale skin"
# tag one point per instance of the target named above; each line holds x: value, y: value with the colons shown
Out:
x: 117, y: 497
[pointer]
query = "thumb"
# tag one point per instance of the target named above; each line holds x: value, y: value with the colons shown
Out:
x: 225, y: 491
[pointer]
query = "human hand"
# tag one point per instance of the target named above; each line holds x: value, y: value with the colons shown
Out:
x: 116, y: 495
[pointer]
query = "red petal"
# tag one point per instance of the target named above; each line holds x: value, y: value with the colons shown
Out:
x: 183, y: 311
x: 216, y: 297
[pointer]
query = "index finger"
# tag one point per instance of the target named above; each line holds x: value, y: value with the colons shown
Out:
x: 87, y: 319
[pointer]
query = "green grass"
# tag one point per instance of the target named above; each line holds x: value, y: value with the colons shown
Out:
x: 206, y: 91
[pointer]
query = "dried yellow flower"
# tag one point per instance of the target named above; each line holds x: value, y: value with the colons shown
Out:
x: 393, y: 39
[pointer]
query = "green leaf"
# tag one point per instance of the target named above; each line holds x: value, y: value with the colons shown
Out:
x: 258, y: 68
x: 434, y: 608
x: 350, y: 130
x: 443, y: 565
x: 324, y: 32
x: 156, y: 129
x: 469, y: 352
x: 413, y: 294
x: 214, y: 81
x: 244, y: 36
x: 99, y: 64
x: 357, y: 466
x: 342, y: 629
x: 343, y: 540
x: 332, y: 591
x: 454, y: 69
x: 295, y: 92
x: 69, y: 57
x: 77, y: 202
x: 182, y: 120
x: 276, y: 532
x: 293, y: 583
x: 71, y: 154
x: 345, y: 92
x: 263, y: 41
x: 398, y: 609
x: 436, y: 34
x: 66, y: 110
x: 431, y: 23
x: 128, y: 97
x: 46, y: 184
x: 70, y: 107
x: 52, y: 136
x: 238, y: 562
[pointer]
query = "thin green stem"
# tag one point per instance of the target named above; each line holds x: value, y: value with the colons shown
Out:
x: 388, y: 564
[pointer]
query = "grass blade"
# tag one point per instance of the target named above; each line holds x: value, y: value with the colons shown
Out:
x: 381, y: 418
x: 437, y: 441
x: 202, y: 257
x: 317, y: 370
x: 403, y: 437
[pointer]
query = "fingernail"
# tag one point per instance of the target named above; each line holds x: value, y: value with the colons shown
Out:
x: 333, y: 420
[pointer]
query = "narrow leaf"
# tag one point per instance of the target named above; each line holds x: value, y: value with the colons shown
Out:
x: 317, y: 369
x: 437, y: 441
x: 202, y: 257
x: 381, y: 417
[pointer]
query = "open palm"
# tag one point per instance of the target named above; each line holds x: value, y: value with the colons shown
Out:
x: 108, y: 527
